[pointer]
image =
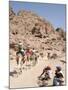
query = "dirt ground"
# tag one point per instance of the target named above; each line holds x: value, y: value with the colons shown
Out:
x: 29, y: 77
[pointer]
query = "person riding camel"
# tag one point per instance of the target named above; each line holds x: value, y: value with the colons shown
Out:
x: 20, y: 48
x: 47, y: 72
x: 58, y: 78
x: 28, y: 53
x: 20, y: 51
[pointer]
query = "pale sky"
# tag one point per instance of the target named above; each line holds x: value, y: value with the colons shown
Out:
x: 54, y: 13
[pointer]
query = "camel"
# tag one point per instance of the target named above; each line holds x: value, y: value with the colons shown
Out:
x: 20, y: 61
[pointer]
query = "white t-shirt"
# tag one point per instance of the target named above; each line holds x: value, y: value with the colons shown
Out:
x: 22, y: 50
x: 50, y: 73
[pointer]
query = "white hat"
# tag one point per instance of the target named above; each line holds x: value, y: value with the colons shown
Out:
x: 20, y: 43
x: 58, y: 66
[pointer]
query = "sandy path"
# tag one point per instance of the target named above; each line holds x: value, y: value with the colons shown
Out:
x: 28, y: 78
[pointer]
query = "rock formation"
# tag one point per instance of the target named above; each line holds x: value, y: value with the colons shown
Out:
x: 31, y: 29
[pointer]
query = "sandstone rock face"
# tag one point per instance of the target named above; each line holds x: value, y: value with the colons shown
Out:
x: 31, y: 29
x: 11, y: 13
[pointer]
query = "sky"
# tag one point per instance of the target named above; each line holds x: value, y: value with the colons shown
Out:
x: 54, y: 13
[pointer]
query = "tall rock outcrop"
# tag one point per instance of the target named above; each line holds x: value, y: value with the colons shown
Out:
x: 35, y: 31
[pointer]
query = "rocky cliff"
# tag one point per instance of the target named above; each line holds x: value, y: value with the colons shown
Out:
x: 34, y: 31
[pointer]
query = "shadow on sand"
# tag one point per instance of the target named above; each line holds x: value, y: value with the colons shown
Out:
x: 12, y: 73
